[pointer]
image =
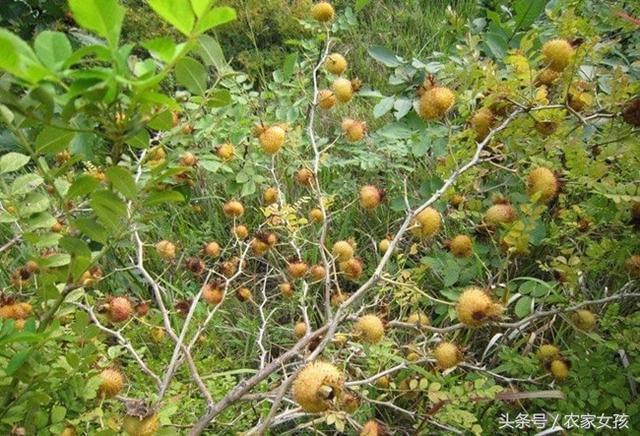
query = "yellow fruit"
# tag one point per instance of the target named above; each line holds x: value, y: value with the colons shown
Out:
x: 427, y: 223
x: 120, y: 309
x: 134, y: 426
x: 244, y: 294
x: 326, y: 99
x: 111, y: 382
x: 436, y: 102
x: 548, y: 352
x: 212, y: 294
x: 304, y: 177
x: 447, y: 355
x: 336, y: 63
x: 233, y: 208
x: 322, y: 11
x: 57, y: 227
x: 300, y: 329
x: 456, y: 200
x: 343, y: 89
x: 19, y: 324
x: 559, y: 369
x: 372, y: 428
x: 228, y: 268
x: 461, y: 246
x: 579, y: 100
x: 337, y: 299
x: 297, y: 269
x: 557, y: 54
x: 188, y: 159
x: 68, y: 431
x: 632, y: 265
x: 481, y: 122
x: 370, y: 329
x: 500, y: 213
x: 270, y: 195
x: 226, y: 151
x: 420, y: 319
x: 241, y: 232
x: 353, y: 130
x: 259, y: 247
x: 316, y: 216
x: 286, y: 289
x: 342, y: 250
x: 542, y: 181
x: 212, y: 249
x: 316, y: 385
x: 383, y: 382
x: 546, y: 77
x: 352, y: 268
x: 370, y: 197
x: 272, y: 139
x: 318, y: 272
x: 158, y: 334
x: 475, y: 306
x: 584, y: 319
x: 31, y: 267
x: 383, y: 245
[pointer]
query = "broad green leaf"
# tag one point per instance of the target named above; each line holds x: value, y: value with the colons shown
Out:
x: 42, y: 220
x: 215, y: 17
x: 289, y: 65
x: 108, y: 208
x: 25, y: 183
x: 12, y: 162
x: 160, y: 197
x: 83, y: 185
x: 123, y: 181
x: 496, y: 44
x: 53, y: 48
x: 384, y: 55
x: 200, y: 6
x: 163, y: 48
x: 178, y: 13
x: 139, y: 140
x: 18, y: 59
x: 527, y: 11
x: 192, y: 75
x: 58, y: 413
x: 219, y: 98
x: 162, y: 121
x: 92, y: 229
x: 211, y: 53
x: 383, y: 106
x: 34, y: 203
x: 523, y: 307
x: 53, y: 140
x: 80, y: 255
x: 17, y: 361
x: 102, y: 16
x: 360, y: 4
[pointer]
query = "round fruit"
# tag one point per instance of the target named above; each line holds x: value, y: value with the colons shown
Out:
x: 212, y: 294
x: 632, y: 265
x: 300, y: 329
x: 259, y: 247
x: 297, y: 269
x: 447, y: 355
x: 318, y: 272
x: 241, y: 232
x: 383, y: 245
x: 326, y: 99
x: 158, y: 334
x: 461, y: 246
x: 631, y: 112
x: 342, y: 250
x: 427, y: 223
x: 195, y: 265
x: 557, y: 54
x: 369, y: 328
x: 436, y: 102
x: 228, y: 268
x: 353, y: 130
x: 370, y: 197
x: 338, y: 298
x: 481, y: 122
x: 57, y: 227
x: 134, y: 426
x: 372, y: 428
x: 548, y: 352
x: 286, y: 289
x: 542, y: 181
x: 244, y: 294
x: 475, y: 306
x: 546, y: 77
x: 270, y: 195
x: 352, y: 268
x: 336, y: 63
x: 188, y: 159
x: 68, y: 431
x: 584, y: 319
x: 233, y: 208
x: 343, y: 89
x: 500, y: 213
x: 316, y: 385
x: 272, y: 139
x: 120, y: 309
x: 304, y: 176
x: 316, y: 216
x: 323, y: 12
x: 212, y: 249
x: 31, y: 267
x: 111, y: 382
x: 559, y: 369
x: 226, y: 151
x: 420, y: 319
x: 383, y: 382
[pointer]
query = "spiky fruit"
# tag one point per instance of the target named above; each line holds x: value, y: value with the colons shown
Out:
x: 233, y: 208
x: 343, y: 89
x: 188, y: 159
x: 228, y: 268
x: 297, y: 269
x: 212, y: 249
x: 342, y: 250
x: 635, y: 211
x: 559, y: 369
x: 461, y: 246
x: 427, y: 223
x: 316, y: 385
x: 557, y: 54
x: 500, y: 213
x: 353, y: 130
x: 158, y: 334
x: 336, y: 63
x: 270, y: 195
x: 21, y: 310
x: 383, y: 245
x: 304, y: 177
x: 383, y: 382
x: 120, y: 309
x: 286, y: 289
x: 436, y: 102
x: 542, y: 181
x: 631, y: 112
x: 259, y: 247
x: 584, y: 319
x: 420, y: 319
x: 370, y: 329
x: 548, y: 352
x: 244, y: 294
x: 372, y: 428
x: 300, y: 329
x: 546, y: 77
x: 318, y: 272
x: 447, y: 355
x: 31, y: 267
x: 475, y: 306
x: 212, y: 293
x: 241, y: 232
x: 370, y: 197
x: 272, y: 139
x: 323, y: 12
x: 195, y: 265
x: 632, y: 265
x: 68, y: 431
x: 352, y: 268
x: 316, y: 216
x: 481, y: 122
x: 326, y: 99
x: 135, y: 426
x: 225, y: 151
x: 111, y: 382
x: 579, y: 100
x: 338, y: 298
x: 57, y: 227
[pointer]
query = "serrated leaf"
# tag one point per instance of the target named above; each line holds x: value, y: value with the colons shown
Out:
x: 108, y: 208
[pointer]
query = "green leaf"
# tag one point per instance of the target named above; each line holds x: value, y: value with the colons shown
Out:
x: 384, y: 55
x: 192, y: 75
x: 523, y: 307
x: 102, y: 16
x: 18, y: 59
x: 58, y: 413
x: 139, y: 140
x: 108, y: 208
x: 215, y: 17
x: 527, y: 12
x: 34, y: 203
x: 12, y: 161
x: 25, y: 184
x: 360, y: 4
x: 211, y: 53
x: 80, y: 255
x: 53, y: 49
x: 123, y: 181
x: 178, y: 13
x: 17, y: 361
x: 53, y: 139
x: 92, y: 229
x: 289, y: 65
x: 200, y: 6
x: 496, y: 44
x: 83, y: 185
x: 219, y: 98
x: 383, y: 106
x: 451, y: 273
x: 163, y: 48
x: 160, y: 197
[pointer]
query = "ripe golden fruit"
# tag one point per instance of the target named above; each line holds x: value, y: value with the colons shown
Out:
x: 286, y: 289
x: 326, y: 99
x: 244, y: 294
x: 383, y: 245
x: 57, y: 227
x: 557, y: 54
x: 270, y: 195
x: 135, y: 426
x: 259, y: 247
x: 427, y: 223
x: 542, y: 181
x: 111, y: 382
x: 31, y: 267
x: 226, y: 151
x: 212, y: 293
x: 372, y: 428
x: 322, y: 11
x: 304, y: 177
x: 481, y: 122
x: 212, y: 249
x: 447, y: 355
x: 188, y: 159
x: 369, y: 328
x: 228, y: 268
x: 241, y: 232
x: 632, y: 265
x: 436, y: 102
x: 297, y: 269
x: 342, y: 250
x: 353, y: 130
x: 342, y: 89
x: 318, y: 272
x: 584, y: 319
x: 383, y: 382
x: 338, y: 298
x: 548, y: 352
x: 475, y: 306
x: 68, y: 431
x: 420, y: 319
x: 316, y: 216
x: 158, y: 334
x: 233, y: 208
x: 559, y: 369
x: 316, y: 385
x: 271, y: 139
x: 500, y: 213
x: 120, y: 309
x: 300, y: 329
x: 370, y: 197
x: 352, y: 268
x: 336, y: 63
x: 461, y: 246
x: 546, y: 77
x: 456, y: 200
